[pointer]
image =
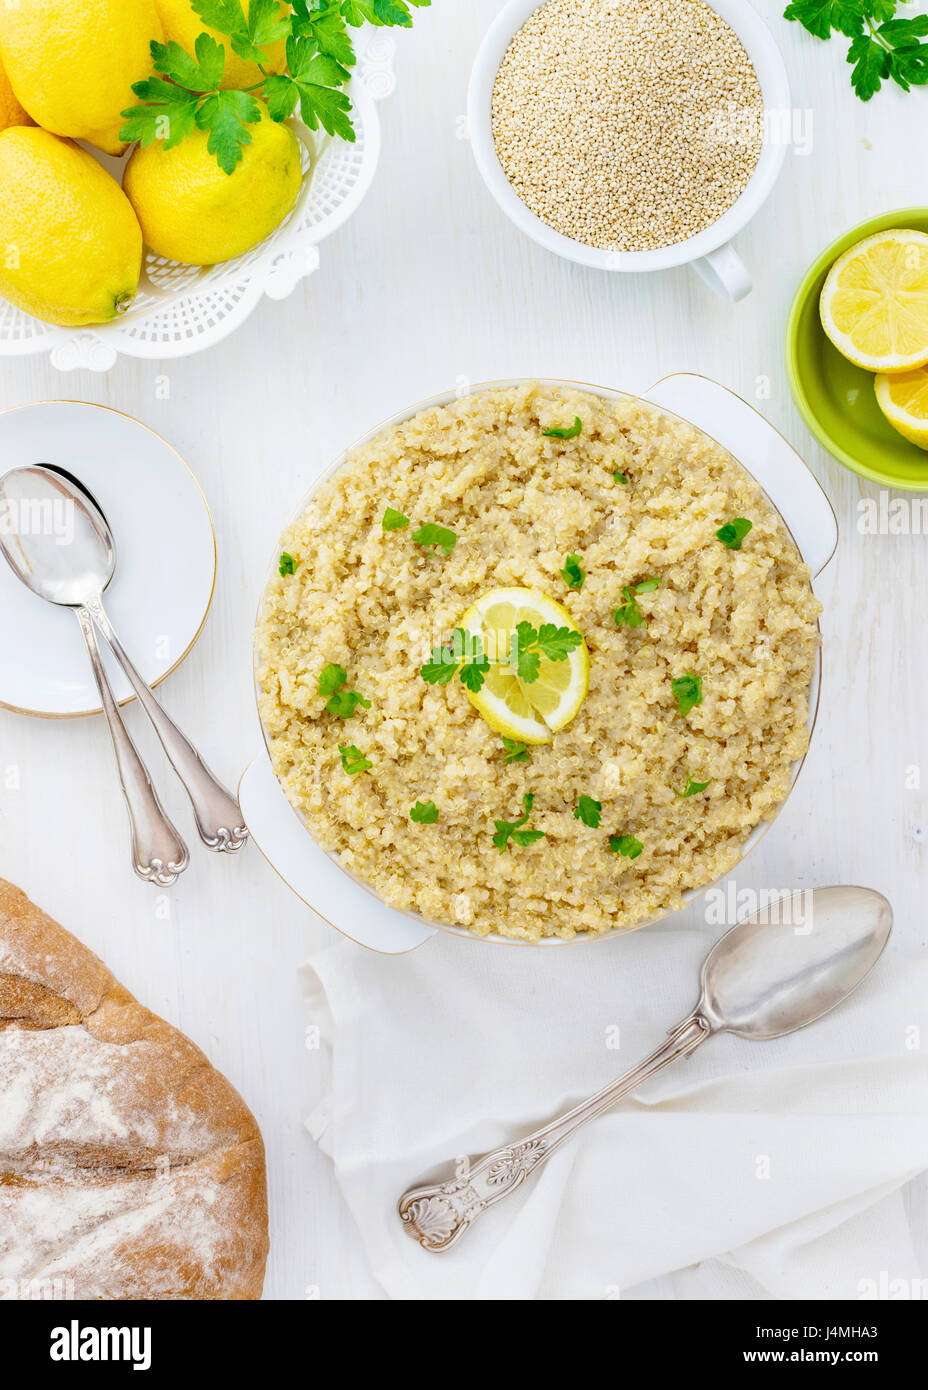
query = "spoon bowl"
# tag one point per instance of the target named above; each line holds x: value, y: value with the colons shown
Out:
x: 54, y: 537
x: 793, y: 961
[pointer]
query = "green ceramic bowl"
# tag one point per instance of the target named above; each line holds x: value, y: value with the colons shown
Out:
x: 835, y: 398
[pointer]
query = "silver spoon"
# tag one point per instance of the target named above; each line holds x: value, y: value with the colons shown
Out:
x: 159, y: 854
x: 75, y: 576
x: 763, y: 979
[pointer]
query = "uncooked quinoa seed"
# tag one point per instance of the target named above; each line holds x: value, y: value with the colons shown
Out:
x: 627, y: 124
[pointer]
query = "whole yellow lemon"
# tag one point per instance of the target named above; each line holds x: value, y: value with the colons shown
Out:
x: 182, y: 24
x: 72, y: 63
x: 70, y: 244
x: 11, y: 113
x: 191, y: 211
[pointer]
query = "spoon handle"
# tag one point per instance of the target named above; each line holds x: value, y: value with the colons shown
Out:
x: 217, y: 813
x: 158, y: 852
x: 438, y: 1215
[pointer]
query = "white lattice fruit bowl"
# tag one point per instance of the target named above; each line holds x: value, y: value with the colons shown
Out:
x: 182, y: 309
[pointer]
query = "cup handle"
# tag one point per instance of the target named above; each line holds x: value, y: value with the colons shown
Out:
x: 724, y: 271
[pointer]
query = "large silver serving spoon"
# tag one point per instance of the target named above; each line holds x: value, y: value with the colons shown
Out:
x: 75, y: 575
x: 763, y: 979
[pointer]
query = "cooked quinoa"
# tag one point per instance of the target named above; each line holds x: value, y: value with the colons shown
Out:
x: 374, y: 602
x: 627, y: 124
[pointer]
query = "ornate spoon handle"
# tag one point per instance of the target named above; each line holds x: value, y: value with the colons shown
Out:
x: 438, y: 1215
x: 158, y: 852
x: 217, y: 814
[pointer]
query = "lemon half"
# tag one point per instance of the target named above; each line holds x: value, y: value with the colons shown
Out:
x: 874, y: 303
x: 531, y: 712
x: 903, y: 399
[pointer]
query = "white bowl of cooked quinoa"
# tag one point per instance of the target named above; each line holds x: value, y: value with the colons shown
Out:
x: 682, y: 788
x: 632, y: 135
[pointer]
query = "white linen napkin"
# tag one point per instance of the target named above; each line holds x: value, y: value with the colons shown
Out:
x: 786, y: 1169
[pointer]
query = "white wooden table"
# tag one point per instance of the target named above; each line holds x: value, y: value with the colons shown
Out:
x: 426, y: 286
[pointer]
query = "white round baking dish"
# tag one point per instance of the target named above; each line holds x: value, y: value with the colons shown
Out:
x: 350, y: 905
x: 709, y: 252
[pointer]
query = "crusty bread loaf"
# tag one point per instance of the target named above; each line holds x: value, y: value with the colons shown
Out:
x: 129, y: 1168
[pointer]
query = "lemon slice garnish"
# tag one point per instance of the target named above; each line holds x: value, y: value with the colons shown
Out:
x: 903, y: 399
x: 874, y: 303
x: 530, y: 711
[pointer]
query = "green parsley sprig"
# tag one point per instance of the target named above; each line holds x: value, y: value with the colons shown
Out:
x: 629, y: 613
x: 573, y: 573
x: 883, y: 48
x: 565, y: 431
x: 286, y: 564
x: 687, y: 691
x: 186, y: 94
x: 514, y: 751
x: 733, y: 532
x: 424, y: 813
x: 353, y: 760
x: 692, y: 788
x: 465, y: 656
x: 511, y: 830
x: 340, y: 702
x: 626, y: 845
x: 589, y: 812
x: 431, y: 535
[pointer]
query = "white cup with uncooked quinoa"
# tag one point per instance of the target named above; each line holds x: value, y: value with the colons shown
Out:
x: 536, y: 662
x: 632, y: 135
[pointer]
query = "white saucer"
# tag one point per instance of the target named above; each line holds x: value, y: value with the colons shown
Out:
x: 165, y: 558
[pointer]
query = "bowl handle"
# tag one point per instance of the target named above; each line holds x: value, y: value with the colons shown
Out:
x: 332, y: 894
x: 724, y: 271
x: 787, y: 480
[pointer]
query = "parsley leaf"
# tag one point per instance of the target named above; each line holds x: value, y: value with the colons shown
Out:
x: 315, y: 80
x: 734, y: 532
x: 687, y: 691
x: 882, y: 46
x: 515, y: 752
x: 431, y: 534
x: 227, y: 115
x: 202, y: 73
x: 331, y: 678
x: 442, y: 668
x: 589, y: 812
x: 394, y: 520
x: 573, y: 573
x: 390, y: 12
x: 342, y: 703
x: 465, y: 654
x: 821, y: 16
x: 619, y: 477
x: 511, y: 830
x: 324, y: 23
x: 626, y: 845
x: 629, y: 614
x: 171, y: 109
x: 353, y: 760
x: 692, y: 788
x: 264, y: 24
x: 565, y: 431
x: 287, y: 564
x: 556, y: 643
x: 424, y: 813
